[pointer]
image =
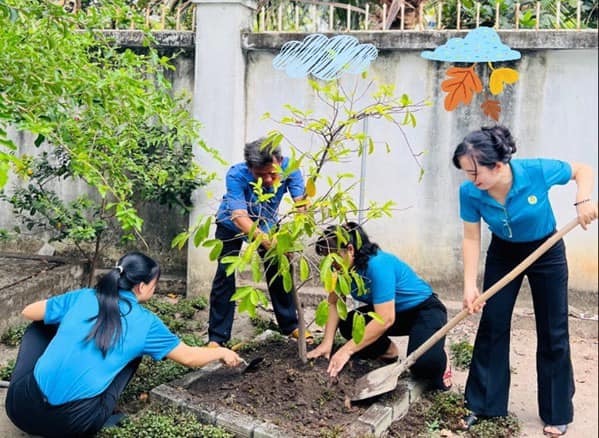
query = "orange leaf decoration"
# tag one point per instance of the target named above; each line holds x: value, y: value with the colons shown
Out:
x: 462, y: 84
x: 491, y: 108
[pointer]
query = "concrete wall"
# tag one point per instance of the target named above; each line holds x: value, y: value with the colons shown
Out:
x: 552, y: 112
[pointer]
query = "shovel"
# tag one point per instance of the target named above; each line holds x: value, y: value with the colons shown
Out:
x: 384, y: 379
x: 251, y: 366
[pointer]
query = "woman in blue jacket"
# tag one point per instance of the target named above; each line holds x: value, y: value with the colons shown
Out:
x: 512, y: 197
x: 83, y: 348
x: 405, y: 302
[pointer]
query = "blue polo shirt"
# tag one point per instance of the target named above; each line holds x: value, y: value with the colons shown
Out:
x: 527, y: 214
x: 240, y: 196
x: 72, y: 369
x: 388, y: 278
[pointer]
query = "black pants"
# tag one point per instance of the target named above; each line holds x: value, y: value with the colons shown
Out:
x: 222, y: 309
x: 487, y: 387
x: 28, y: 408
x: 419, y: 323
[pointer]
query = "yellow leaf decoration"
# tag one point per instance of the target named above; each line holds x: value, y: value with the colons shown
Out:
x: 499, y: 76
x: 310, y: 187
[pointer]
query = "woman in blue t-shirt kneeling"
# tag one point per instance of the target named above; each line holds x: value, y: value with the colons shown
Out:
x: 404, y: 301
x: 83, y: 348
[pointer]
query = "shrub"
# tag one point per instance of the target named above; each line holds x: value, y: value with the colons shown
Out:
x: 7, y: 370
x: 13, y: 335
x: 461, y: 354
x: 163, y: 424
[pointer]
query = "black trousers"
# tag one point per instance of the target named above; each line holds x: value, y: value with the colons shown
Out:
x: 222, y: 309
x: 487, y: 387
x: 28, y: 408
x: 419, y: 323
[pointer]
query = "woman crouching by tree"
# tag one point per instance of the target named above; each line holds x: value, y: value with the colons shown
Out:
x: 404, y: 301
x: 83, y: 348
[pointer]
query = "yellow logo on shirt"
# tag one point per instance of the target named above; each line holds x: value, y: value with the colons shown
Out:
x: 532, y: 199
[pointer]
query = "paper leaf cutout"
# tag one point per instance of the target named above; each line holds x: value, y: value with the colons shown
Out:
x: 499, y: 76
x: 462, y: 84
x: 491, y: 108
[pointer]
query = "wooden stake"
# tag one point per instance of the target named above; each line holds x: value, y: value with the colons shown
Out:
x: 331, y: 12
x: 403, y: 14
x: 385, y: 16
x: 558, y: 10
x: 163, y: 17
x: 366, y: 17
x: 280, y: 17
x: 348, y: 17
x: 459, y: 14
x: 517, y: 15
x: 296, y: 17
x: 477, y: 14
x: 439, y: 15
x: 538, y: 12
x: 178, y: 22
x: 578, y: 7
x: 497, y: 15
x: 262, y: 19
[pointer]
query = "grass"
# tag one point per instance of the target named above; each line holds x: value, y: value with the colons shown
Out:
x: 13, y: 335
x: 461, y: 354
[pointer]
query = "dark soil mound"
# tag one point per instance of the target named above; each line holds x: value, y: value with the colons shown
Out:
x: 297, y: 397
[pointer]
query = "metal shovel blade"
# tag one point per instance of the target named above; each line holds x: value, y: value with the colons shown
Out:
x: 251, y: 366
x: 377, y: 382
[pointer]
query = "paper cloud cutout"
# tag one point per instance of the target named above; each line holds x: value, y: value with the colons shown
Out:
x: 480, y: 45
x: 324, y: 58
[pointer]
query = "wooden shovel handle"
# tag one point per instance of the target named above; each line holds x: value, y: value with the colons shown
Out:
x: 409, y: 361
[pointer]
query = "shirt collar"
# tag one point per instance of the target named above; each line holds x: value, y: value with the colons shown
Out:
x: 129, y: 295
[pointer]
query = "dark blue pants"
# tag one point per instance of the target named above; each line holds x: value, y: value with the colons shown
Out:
x: 28, y: 408
x: 419, y: 323
x: 222, y: 309
x: 487, y: 387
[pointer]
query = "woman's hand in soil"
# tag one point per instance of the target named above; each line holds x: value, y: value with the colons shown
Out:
x: 337, y: 362
x: 320, y: 351
x: 229, y: 357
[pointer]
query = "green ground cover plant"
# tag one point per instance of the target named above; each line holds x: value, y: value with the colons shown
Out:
x: 461, y: 354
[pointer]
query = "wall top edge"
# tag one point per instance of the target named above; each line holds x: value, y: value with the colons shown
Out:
x: 250, y: 4
x: 418, y: 40
x: 164, y: 38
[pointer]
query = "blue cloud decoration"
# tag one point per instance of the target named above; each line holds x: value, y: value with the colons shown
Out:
x: 325, y: 58
x: 479, y: 45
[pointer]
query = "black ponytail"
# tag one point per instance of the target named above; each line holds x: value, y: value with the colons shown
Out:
x: 133, y: 268
x: 337, y: 237
x: 486, y: 147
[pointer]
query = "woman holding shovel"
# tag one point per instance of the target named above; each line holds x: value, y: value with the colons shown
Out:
x: 83, y: 348
x: 404, y: 301
x: 511, y: 196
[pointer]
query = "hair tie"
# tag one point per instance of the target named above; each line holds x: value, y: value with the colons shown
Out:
x: 120, y: 268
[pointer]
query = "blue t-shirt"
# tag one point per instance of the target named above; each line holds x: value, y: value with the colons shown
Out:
x: 527, y: 214
x: 388, y: 278
x: 73, y: 369
x: 240, y: 196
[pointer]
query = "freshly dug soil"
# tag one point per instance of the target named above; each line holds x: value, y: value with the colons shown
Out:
x: 299, y: 398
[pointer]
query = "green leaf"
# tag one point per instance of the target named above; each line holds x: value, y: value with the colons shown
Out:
x: 376, y: 317
x: 322, y: 313
x: 358, y: 327
x: 241, y: 293
x: 39, y: 140
x: 287, y: 281
x: 256, y: 271
x: 304, y: 269
x: 342, y: 309
x: 179, y: 241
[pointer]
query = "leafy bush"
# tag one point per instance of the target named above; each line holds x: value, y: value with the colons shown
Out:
x: 178, y: 316
x: 13, y: 335
x: 7, y: 370
x: 446, y: 411
x: 150, y: 374
x: 155, y: 423
x: 461, y: 354
x: 498, y: 427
